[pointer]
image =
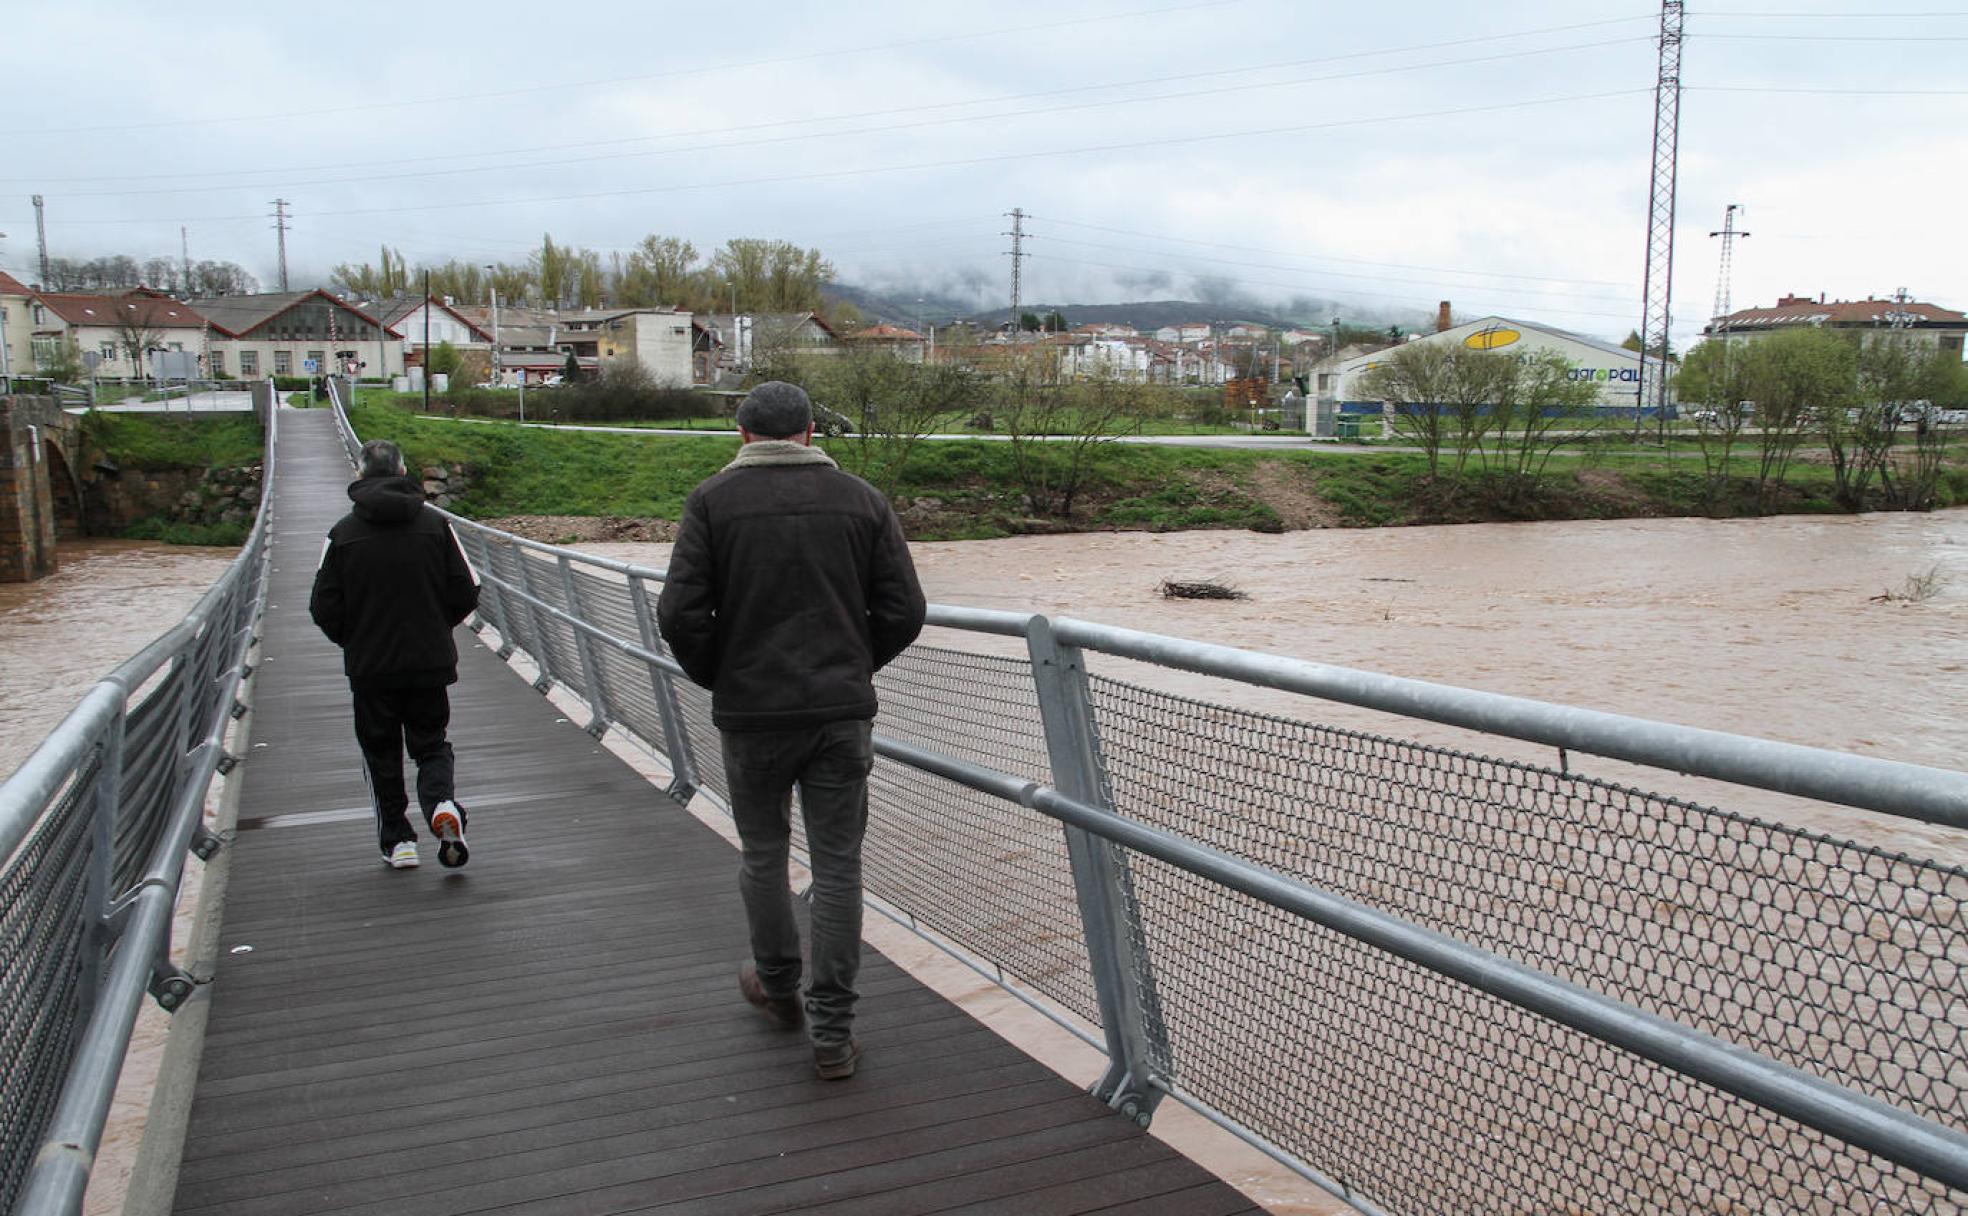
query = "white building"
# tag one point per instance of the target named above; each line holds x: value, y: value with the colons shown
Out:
x: 1613, y: 368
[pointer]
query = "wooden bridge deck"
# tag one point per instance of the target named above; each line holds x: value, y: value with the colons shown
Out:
x: 556, y: 1027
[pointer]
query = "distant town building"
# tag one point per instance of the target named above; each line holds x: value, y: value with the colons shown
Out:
x: 1928, y: 324
x: 105, y: 331
x: 904, y: 344
x: 283, y: 333
x: 658, y: 340
x: 446, y: 323
x: 1613, y: 368
x: 16, y: 339
x: 1188, y: 331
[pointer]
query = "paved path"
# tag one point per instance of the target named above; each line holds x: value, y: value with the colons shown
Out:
x: 556, y: 1027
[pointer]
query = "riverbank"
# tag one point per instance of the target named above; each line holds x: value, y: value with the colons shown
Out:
x: 580, y: 486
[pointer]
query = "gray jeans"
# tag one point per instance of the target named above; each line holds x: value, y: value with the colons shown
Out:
x: 830, y: 766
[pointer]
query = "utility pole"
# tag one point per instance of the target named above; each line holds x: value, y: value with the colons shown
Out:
x: 280, y: 222
x: 498, y: 364
x: 424, y: 362
x: 184, y: 244
x: 1018, y: 255
x: 1657, y: 312
x: 41, y: 236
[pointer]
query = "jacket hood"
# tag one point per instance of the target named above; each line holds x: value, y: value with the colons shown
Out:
x: 387, y: 500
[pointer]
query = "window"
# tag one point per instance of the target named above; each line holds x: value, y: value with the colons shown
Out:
x: 249, y: 363
x: 40, y: 315
x: 283, y: 363
x: 108, y: 352
x: 47, y: 353
x: 320, y: 360
x: 178, y: 346
x: 218, y: 363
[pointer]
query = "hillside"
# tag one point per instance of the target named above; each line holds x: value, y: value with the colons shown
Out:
x: 879, y: 308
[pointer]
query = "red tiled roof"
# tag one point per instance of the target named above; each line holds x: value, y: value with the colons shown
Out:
x: 11, y: 286
x: 1797, y: 310
x: 886, y: 333
x: 153, y: 312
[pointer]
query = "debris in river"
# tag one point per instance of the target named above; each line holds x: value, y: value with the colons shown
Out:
x: 1207, y: 589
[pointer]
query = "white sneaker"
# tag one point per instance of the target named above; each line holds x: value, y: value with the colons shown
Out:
x: 448, y: 825
x: 403, y: 856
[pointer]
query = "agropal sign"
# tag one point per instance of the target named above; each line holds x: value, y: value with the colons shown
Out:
x: 1496, y: 338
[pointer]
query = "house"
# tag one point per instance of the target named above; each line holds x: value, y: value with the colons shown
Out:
x: 1188, y: 331
x: 420, y: 319
x: 659, y: 340
x: 904, y: 344
x: 1928, y: 325
x: 113, y: 334
x: 282, y: 333
x: 797, y: 333
x: 1106, y: 329
x: 16, y: 339
x: 1084, y: 356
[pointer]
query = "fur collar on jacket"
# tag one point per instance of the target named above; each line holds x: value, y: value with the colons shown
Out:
x: 778, y: 452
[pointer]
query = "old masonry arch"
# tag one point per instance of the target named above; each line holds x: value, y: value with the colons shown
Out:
x: 40, y: 490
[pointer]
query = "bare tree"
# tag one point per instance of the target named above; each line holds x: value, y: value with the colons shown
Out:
x: 135, y: 335
x: 1056, y: 428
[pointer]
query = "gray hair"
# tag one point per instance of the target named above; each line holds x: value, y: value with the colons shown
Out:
x: 381, y: 458
x: 776, y: 410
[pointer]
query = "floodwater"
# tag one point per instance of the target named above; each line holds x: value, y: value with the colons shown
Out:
x: 1808, y: 630
x: 107, y: 600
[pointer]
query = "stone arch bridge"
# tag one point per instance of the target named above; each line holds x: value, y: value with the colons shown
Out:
x: 40, y: 487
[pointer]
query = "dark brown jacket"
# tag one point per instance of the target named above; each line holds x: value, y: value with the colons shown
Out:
x: 789, y: 587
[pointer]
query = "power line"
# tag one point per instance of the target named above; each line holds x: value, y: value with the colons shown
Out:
x: 919, y: 108
x: 915, y: 124
x: 1154, y: 236
x: 775, y: 61
x: 912, y: 166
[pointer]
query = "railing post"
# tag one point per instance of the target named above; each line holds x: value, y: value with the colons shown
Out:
x: 545, y: 656
x: 676, y: 742
x: 584, y: 650
x: 1101, y: 882
x: 107, y: 802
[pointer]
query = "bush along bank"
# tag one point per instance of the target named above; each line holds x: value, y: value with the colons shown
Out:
x: 961, y: 490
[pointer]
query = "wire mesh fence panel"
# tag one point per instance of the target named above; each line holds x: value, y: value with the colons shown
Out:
x: 626, y: 689
x: 694, y: 707
x: 514, y: 619
x: 1838, y: 959
x: 989, y: 875
x: 148, y: 781
x: 557, y: 653
x: 44, y: 932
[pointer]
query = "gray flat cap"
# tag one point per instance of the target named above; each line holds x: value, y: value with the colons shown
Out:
x: 776, y: 410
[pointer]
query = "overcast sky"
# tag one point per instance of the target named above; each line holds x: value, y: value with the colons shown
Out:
x: 1382, y: 157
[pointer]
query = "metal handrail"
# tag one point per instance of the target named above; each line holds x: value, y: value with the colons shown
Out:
x: 127, y: 932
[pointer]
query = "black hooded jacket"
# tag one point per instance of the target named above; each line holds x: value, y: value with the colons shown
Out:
x: 391, y: 586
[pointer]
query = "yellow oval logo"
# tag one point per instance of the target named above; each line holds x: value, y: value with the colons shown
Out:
x: 1490, y: 339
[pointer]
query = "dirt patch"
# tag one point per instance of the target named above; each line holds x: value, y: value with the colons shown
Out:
x: 1290, y: 489
x: 580, y: 529
x: 1618, y: 496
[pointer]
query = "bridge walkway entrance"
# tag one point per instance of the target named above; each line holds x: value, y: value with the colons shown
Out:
x: 556, y: 1027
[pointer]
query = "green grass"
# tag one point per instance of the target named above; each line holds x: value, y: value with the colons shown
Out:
x: 203, y: 440
x: 530, y: 471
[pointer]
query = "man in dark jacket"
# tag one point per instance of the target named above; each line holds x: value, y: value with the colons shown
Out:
x: 789, y: 587
x: 391, y: 586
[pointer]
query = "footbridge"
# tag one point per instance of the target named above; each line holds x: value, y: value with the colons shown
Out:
x: 1428, y: 980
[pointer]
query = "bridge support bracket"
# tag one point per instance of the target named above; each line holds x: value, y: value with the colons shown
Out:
x: 504, y: 652
x: 544, y: 683
x: 239, y: 710
x: 205, y: 843
x: 1136, y: 1103
x: 171, y: 986
x: 598, y: 727
x: 683, y: 791
x: 228, y: 762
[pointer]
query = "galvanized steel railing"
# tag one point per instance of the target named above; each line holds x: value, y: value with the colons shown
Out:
x: 1431, y: 981
x: 94, y: 830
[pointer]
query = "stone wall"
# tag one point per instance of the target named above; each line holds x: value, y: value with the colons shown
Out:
x: 36, y: 442
x: 114, y: 501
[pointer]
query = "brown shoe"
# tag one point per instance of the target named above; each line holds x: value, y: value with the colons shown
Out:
x: 836, y: 1061
x: 785, y: 1012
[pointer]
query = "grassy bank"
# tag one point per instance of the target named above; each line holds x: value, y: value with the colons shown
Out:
x: 973, y: 490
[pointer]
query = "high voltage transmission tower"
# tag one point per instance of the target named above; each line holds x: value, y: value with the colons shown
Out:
x: 1657, y: 287
x: 41, y: 237
x: 1719, y: 319
x: 1018, y: 255
x: 280, y: 222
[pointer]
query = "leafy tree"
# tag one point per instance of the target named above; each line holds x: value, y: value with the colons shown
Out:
x: 1712, y: 379
x: 553, y: 269
x: 773, y: 276
x: 1030, y: 322
x: 661, y: 270
x: 571, y: 370
x: 444, y: 359
x: 1440, y: 395
x: 1540, y: 405
x: 1055, y: 322
x: 1056, y: 429
x: 1796, y: 378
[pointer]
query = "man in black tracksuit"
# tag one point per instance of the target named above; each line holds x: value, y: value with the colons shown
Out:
x: 391, y: 586
x: 789, y: 587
